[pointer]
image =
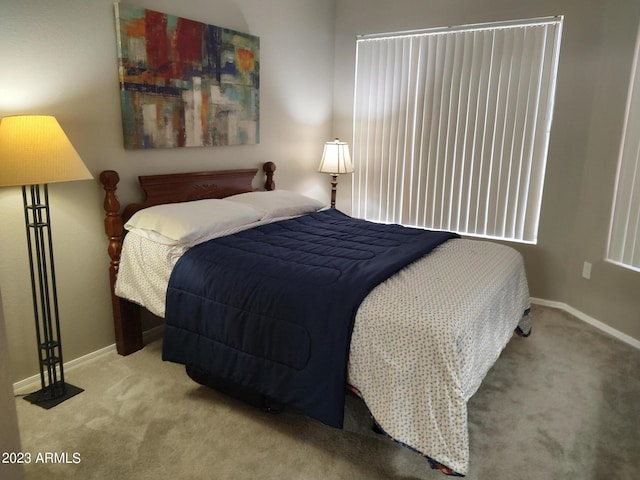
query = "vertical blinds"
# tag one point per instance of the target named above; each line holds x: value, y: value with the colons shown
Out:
x: 451, y: 127
x: 624, y: 237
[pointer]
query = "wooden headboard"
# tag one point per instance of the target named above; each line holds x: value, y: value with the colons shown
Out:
x: 160, y: 189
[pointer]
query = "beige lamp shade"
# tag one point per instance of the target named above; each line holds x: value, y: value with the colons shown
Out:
x: 336, y: 158
x: 34, y: 150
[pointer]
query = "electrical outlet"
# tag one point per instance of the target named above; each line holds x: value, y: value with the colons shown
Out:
x: 586, y: 270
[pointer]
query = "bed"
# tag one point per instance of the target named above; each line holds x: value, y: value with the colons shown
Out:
x: 419, y: 344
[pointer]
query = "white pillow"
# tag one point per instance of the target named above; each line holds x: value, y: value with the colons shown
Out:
x: 177, y: 223
x: 278, y: 203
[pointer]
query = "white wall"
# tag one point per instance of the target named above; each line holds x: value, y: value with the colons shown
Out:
x: 59, y: 58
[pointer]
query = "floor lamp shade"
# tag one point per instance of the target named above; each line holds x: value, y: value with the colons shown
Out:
x: 34, y: 151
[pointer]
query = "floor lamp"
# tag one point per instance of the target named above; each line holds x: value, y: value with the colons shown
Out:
x: 34, y: 151
x: 335, y: 160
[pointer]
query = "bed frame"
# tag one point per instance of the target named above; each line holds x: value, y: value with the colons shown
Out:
x: 160, y: 189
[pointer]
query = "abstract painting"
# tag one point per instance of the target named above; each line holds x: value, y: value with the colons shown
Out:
x: 184, y: 83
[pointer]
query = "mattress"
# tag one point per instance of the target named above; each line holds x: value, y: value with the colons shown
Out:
x: 422, y: 341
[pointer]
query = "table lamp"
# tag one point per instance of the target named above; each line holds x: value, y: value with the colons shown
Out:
x: 335, y: 160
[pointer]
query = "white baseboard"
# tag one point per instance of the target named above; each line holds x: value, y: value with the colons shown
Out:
x: 31, y: 384
x: 590, y: 320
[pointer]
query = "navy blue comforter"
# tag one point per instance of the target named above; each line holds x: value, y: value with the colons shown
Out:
x: 272, y: 308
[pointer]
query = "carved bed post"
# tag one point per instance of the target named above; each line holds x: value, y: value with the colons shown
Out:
x: 269, y: 168
x: 126, y: 315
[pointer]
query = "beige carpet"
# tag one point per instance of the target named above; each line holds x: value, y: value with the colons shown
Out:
x: 561, y: 404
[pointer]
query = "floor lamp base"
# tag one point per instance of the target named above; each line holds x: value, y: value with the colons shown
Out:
x: 46, y: 398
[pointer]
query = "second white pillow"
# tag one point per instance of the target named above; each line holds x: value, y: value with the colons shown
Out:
x: 278, y: 203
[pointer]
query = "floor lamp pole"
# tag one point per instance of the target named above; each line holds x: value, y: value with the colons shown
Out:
x: 45, y: 300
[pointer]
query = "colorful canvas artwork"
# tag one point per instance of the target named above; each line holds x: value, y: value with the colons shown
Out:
x: 185, y: 83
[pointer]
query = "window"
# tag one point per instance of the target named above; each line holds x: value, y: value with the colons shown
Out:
x: 624, y: 234
x: 451, y: 127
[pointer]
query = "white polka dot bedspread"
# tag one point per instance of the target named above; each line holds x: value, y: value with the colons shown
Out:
x: 422, y: 342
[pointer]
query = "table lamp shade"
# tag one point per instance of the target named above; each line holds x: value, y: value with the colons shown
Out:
x: 336, y: 158
x: 35, y: 150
